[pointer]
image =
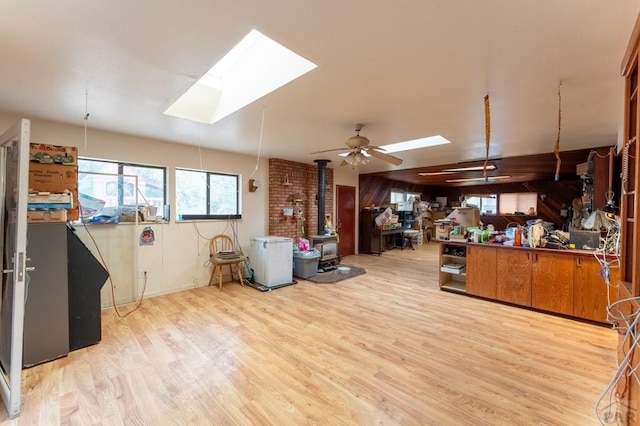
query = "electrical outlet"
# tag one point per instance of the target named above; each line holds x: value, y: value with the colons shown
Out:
x: 140, y: 275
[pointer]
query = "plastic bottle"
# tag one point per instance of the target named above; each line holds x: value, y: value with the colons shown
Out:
x: 517, y: 237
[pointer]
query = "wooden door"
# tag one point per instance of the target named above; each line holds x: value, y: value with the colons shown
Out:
x: 552, y: 283
x: 14, y: 173
x: 481, y: 271
x: 346, y: 219
x: 513, y: 280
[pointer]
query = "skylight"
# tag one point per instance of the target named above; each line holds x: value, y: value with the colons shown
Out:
x: 254, y: 68
x: 415, y: 144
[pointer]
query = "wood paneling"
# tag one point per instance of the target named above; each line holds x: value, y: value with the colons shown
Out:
x: 377, y: 190
x: 527, y: 168
x: 558, y: 195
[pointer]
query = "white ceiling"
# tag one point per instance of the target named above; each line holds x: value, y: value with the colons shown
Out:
x: 406, y: 68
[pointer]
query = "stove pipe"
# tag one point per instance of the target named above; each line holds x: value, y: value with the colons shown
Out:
x: 322, y: 193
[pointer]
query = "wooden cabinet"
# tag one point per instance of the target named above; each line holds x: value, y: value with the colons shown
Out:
x: 481, y: 271
x: 591, y: 294
x: 513, y: 280
x: 557, y: 281
x: 552, y: 282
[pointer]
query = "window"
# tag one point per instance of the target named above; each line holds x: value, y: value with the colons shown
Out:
x: 207, y: 195
x: 487, y: 204
x: 111, y: 185
x: 397, y: 196
x: 519, y: 202
x: 400, y: 196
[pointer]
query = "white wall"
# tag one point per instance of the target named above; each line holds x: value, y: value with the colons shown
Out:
x: 178, y: 258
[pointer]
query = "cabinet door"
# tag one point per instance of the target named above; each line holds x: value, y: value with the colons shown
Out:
x: 590, y: 289
x: 481, y: 271
x: 513, y: 278
x: 552, y: 283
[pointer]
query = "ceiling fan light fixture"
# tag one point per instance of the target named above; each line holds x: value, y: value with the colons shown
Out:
x: 356, y: 158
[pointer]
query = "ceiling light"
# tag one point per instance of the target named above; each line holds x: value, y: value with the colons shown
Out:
x: 254, y: 68
x: 435, y: 173
x: 415, y: 144
x: 476, y: 179
x: 472, y: 168
x: 356, y: 158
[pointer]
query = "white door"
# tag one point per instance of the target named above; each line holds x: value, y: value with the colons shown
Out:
x: 14, y: 177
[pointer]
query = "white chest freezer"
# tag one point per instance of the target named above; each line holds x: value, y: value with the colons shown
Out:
x: 271, y: 259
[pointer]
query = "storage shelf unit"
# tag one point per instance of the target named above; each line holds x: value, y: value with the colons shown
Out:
x: 628, y: 388
x: 453, y: 254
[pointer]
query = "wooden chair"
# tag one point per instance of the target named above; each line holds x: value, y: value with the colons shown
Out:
x: 222, y: 252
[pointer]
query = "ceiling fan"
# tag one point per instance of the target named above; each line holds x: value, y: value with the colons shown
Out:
x: 358, y: 146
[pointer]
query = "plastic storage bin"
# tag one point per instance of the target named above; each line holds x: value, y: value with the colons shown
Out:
x: 305, y: 266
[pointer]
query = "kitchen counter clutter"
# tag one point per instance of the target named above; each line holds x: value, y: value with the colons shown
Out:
x: 568, y: 282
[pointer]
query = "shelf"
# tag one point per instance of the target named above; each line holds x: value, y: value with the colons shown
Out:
x: 452, y: 271
x: 457, y: 286
x: 451, y: 256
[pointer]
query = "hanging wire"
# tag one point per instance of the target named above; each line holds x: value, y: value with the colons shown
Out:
x: 556, y: 149
x: 86, y: 116
x: 487, y: 134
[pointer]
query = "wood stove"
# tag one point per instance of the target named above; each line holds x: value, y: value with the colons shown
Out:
x: 327, y: 245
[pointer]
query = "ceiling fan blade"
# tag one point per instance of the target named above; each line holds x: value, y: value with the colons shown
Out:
x: 330, y: 150
x: 385, y: 157
x: 344, y: 163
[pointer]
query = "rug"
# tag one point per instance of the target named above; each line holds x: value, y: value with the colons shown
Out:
x: 333, y: 276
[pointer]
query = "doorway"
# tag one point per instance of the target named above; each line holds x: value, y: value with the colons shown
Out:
x: 346, y: 219
x: 14, y: 165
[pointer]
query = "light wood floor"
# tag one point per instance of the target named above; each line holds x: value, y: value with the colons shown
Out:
x: 386, y: 348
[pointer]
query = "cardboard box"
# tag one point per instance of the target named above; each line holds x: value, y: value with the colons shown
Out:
x: 442, y: 231
x: 53, y: 154
x: 437, y: 215
x: 73, y: 214
x: 46, y: 216
x: 52, y: 177
x: 465, y: 216
x: 458, y: 237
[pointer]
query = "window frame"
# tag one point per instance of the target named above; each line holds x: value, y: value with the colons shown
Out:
x: 209, y: 215
x: 120, y: 178
x: 494, y: 195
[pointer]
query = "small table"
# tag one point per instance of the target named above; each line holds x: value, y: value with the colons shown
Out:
x: 384, y: 232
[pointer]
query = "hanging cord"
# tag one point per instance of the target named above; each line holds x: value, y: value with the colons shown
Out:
x: 259, y: 145
x: 556, y: 149
x: 86, y: 116
x: 104, y: 263
x: 625, y: 164
x: 487, y: 134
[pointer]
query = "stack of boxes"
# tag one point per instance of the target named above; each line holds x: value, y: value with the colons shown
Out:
x: 53, y: 183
